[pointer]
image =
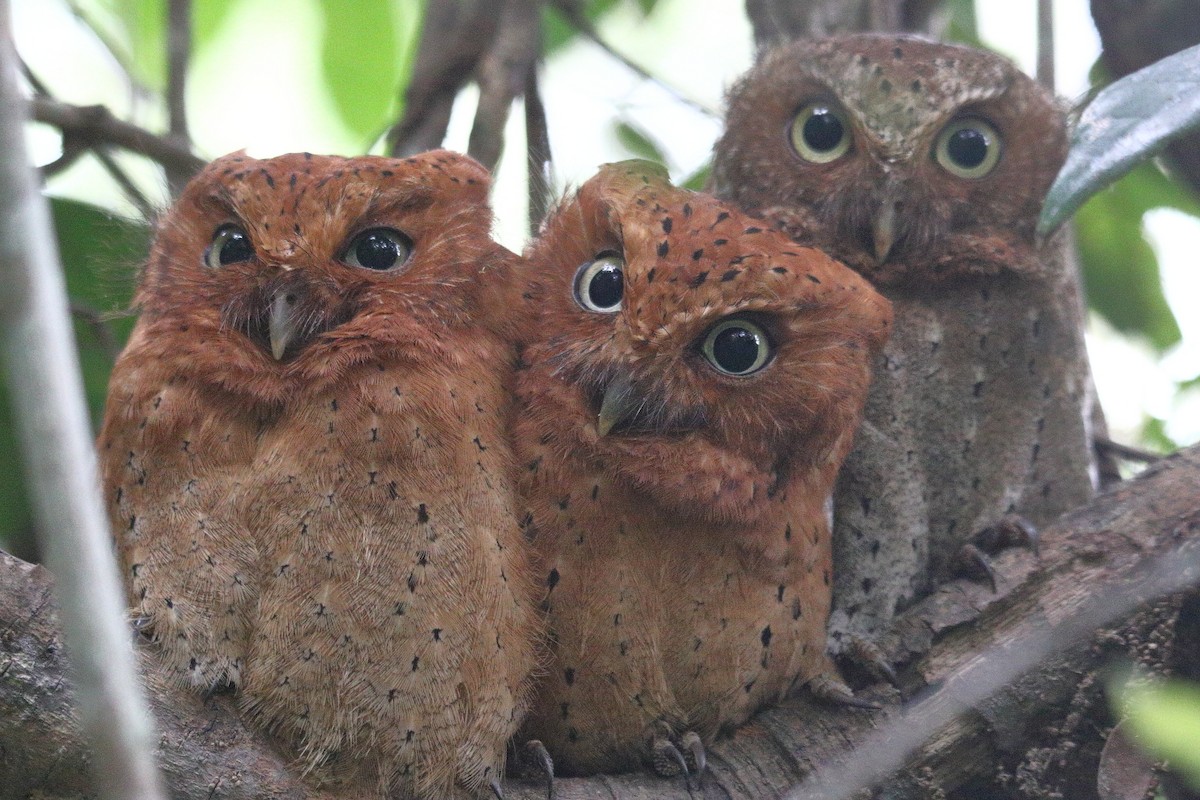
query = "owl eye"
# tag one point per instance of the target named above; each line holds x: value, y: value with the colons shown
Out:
x: 820, y: 133
x: 737, y: 347
x: 378, y: 249
x: 600, y: 284
x: 230, y: 244
x: 968, y: 148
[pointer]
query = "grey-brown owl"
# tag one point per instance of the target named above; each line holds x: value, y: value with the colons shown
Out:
x: 307, y: 468
x: 693, y: 383
x: 923, y: 166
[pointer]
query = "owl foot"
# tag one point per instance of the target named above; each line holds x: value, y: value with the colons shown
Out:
x: 537, y: 753
x: 666, y: 753
x: 497, y: 789
x: 866, y: 655
x: 1011, y: 530
x: 831, y: 689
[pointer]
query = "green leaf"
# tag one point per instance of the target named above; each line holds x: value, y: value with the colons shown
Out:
x: 1120, y: 270
x: 638, y: 142
x: 1165, y: 720
x: 101, y: 255
x: 1127, y: 122
x: 367, y: 54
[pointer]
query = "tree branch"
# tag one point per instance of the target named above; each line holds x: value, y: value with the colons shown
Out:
x: 52, y: 424
x: 96, y: 126
x: 207, y: 754
x: 179, y: 49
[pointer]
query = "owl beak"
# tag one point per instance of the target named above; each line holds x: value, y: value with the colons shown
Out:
x: 884, y: 231
x: 282, y: 327
x: 619, y: 400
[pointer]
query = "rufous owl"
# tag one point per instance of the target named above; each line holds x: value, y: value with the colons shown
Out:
x: 307, y: 468
x: 923, y: 166
x: 690, y: 388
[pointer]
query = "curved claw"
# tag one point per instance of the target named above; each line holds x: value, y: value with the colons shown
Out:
x: 666, y: 759
x: 1011, y: 530
x: 695, y: 749
x: 973, y: 563
x: 541, y: 755
x: 496, y: 788
x: 831, y: 689
x: 867, y: 655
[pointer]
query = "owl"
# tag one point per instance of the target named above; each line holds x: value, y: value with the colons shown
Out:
x: 923, y: 166
x: 307, y: 467
x: 686, y: 396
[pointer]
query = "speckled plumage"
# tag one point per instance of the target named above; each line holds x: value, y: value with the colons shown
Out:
x: 982, y: 400
x: 685, y: 554
x: 331, y: 528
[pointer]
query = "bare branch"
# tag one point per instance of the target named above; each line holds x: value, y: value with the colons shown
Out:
x: 502, y: 75
x: 52, y: 422
x: 1045, y: 43
x: 95, y: 125
x: 98, y: 324
x: 537, y: 145
x: 454, y: 37
x: 579, y: 21
x: 179, y: 48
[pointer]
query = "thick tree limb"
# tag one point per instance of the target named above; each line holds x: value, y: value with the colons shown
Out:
x: 779, y: 21
x: 206, y: 754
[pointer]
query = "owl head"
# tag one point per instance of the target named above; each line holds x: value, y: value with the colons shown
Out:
x: 269, y: 276
x: 905, y: 158
x: 678, y: 336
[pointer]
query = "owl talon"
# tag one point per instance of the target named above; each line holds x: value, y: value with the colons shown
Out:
x: 696, y: 756
x: 830, y: 689
x: 538, y: 752
x: 971, y: 562
x: 1011, y: 530
x: 867, y: 655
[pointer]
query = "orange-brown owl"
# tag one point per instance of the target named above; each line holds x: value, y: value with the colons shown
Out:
x: 306, y: 464
x: 688, y: 394
x: 923, y: 166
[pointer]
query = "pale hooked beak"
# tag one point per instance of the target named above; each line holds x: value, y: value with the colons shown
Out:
x: 619, y: 401
x: 282, y: 327
x: 884, y: 231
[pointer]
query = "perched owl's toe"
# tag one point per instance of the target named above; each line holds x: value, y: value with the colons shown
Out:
x: 831, y: 689
x: 694, y: 755
x: 1011, y: 530
x: 866, y: 655
x: 539, y: 758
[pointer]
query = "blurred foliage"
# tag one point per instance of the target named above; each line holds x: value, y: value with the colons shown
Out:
x: 1164, y: 719
x: 367, y: 54
x: 1120, y: 269
x: 100, y: 254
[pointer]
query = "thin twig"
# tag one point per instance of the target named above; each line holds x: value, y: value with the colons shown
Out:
x: 96, y: 125
x: 121, y: 59
x: 179, y: 48
x: 1126, y: 452
x: 52, y: 420
x: 537, y: 143
x: 99, y: 326
x: 1045, y: 48
x: 584, y: 26
x: 130, y: 189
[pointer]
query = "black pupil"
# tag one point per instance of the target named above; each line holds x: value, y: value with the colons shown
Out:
x: 967, y: 147
x: 235, y: 248
x: 823, y: 131
x: 377, y: 251
x: 735, y: 349
x: 606, y: 286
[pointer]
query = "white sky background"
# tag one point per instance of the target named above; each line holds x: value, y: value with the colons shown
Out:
x: 257, y: 93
